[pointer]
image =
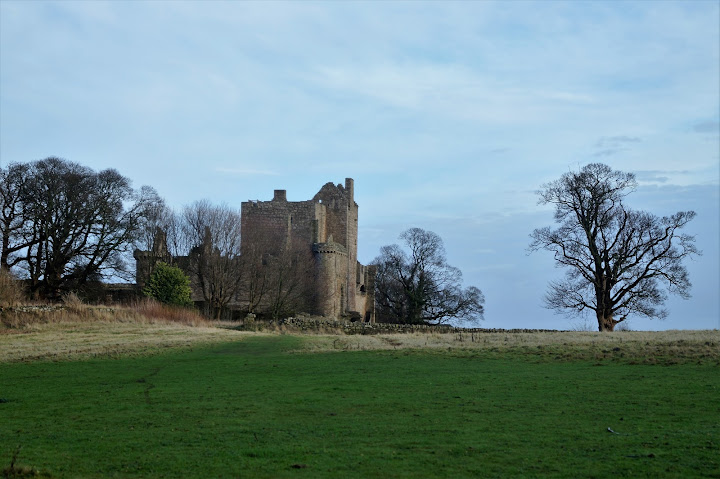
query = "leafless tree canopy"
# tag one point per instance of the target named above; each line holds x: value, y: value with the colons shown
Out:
x: 65, y: 225
x: 619, y: 261
x: 157, y: 218
x: 214, y: 235
x: 288, y: 275
x: 276, y: 285
x: 417, y: 285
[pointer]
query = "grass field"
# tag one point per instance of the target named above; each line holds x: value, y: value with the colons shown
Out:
x: 232, y: 404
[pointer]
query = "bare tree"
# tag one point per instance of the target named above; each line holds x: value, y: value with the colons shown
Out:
x: 156, y: 219
x: 255, y: 276
x: 620, y: 261
x: 214, y: 261
x: 151, y: 242
x: 276, y: 284
x: 287, y: 281
x: 419, y: 287
x: 255, y: 281
x: 78, y: 224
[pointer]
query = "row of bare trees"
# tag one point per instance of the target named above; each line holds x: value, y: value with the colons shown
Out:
x: 618, y: 261
x: 204, y: 239
x: 64, y: 227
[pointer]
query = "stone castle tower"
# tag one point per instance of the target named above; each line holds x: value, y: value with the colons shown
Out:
x: 325, y: 227
x: 328, y: 225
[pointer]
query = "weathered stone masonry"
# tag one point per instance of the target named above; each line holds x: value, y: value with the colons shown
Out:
x: 327, y: 224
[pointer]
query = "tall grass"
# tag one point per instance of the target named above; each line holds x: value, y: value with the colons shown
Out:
x: 153, y: 310
x: 73, y: 310
x: 11, y: 290
x: 75, y: 331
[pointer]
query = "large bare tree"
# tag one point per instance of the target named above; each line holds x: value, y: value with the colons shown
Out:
x: 417, y: 286
x: 77, y: 225
x: 619, y: 261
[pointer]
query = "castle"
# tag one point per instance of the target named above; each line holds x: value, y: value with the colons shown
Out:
x: 325, y: 227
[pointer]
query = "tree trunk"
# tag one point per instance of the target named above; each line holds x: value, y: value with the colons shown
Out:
x: 4, y: 252
x: 606, y: 323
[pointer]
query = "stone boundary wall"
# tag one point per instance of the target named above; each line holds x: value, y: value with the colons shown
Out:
x: 33, y: 309
x: 302, y: 324
x: 316, y: 325
x: 51, y: 308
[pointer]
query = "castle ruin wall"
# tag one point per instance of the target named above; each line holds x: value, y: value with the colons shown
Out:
x: 325, y: 226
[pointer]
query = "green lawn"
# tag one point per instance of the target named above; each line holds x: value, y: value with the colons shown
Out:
x: 255, y: 408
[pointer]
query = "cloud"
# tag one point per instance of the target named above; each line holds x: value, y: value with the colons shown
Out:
x: 707, y: 127
x: 667, y: 177
x: 450, y: 90
x: 653, y: 176
x: 612, y: 145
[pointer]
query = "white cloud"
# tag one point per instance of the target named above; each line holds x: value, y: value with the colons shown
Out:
x: 449, y: 90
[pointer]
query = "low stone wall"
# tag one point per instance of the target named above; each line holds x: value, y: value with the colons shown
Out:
x: 33, y: 309
x: 320, y: 325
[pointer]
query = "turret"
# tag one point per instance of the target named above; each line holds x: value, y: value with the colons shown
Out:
x: 350, y: 190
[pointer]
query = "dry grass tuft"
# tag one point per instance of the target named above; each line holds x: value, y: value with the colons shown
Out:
x: 73, y: 310
x: 11, y: 290
x: 156, y: 311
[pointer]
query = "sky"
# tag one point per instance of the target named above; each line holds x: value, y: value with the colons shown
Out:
x: 449, y: 116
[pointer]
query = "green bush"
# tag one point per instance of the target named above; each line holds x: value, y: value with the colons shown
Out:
x: 169, y: 285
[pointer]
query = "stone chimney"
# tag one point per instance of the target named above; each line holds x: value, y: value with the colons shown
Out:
x: 280, y: 195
